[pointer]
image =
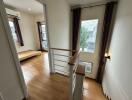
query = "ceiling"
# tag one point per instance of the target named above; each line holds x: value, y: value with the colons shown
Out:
x: 30, y: 6
x: 34, y: 7
x: 78, y: 2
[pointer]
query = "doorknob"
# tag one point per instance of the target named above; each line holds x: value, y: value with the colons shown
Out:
x: 107, y: 56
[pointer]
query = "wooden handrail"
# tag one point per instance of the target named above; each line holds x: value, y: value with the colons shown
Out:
x: 80, y: 70
x: 74, y: 58
x: 63, y: 49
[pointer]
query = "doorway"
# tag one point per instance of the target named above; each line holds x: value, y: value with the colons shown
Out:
x: 90, y: 38
x: 24, y: 22
x: 24, y: 32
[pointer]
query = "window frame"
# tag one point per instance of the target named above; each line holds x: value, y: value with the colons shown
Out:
x: 11, y: 20
x: 87, y: 39
x: 15, y: 21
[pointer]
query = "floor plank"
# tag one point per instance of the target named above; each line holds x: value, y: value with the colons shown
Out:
x: 45, y: 86
x: 92, y: 90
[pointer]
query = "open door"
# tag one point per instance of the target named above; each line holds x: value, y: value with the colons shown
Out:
x: 10, y: 71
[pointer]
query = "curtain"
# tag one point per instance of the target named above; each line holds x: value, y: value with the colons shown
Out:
x: 107, y: 24
x: 40, y: 35
x: 76, y: 20
x: 18, y: 31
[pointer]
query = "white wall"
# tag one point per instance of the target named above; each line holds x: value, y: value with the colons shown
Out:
x: 59, y: 23
x: 28, y: 32
x: 117, y: 80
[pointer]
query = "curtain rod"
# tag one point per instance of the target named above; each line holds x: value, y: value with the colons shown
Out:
x: 93, y: 4
x: 13, y: 16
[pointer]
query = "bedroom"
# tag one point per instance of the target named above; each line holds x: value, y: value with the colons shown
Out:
x: 28, y: 28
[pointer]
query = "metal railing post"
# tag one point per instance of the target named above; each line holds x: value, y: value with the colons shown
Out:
x: 71, y: 81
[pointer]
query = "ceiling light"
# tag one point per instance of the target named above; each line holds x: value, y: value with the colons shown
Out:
x: 29, y: 9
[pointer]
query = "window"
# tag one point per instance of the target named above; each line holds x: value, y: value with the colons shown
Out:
x: 15, y: 29
x: 44, y: 37
x: 88, y: 35
x: 43, y: 31
x: 11, y: 24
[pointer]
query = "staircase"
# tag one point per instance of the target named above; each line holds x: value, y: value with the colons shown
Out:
x: 65, y: 64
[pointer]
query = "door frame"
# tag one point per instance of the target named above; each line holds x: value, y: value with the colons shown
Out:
x: 13, y: 48
x: 47, y: 34
x: 45, y: 11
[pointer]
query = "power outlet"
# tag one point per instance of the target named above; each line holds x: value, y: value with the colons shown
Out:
x: 1, y: 96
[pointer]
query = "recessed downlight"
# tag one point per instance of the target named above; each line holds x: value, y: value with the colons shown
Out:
x: 29, y: 9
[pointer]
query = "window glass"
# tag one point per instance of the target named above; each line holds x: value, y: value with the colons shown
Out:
x: 43, y: 31
x: 44, y: 36
x: 88, y: 35
x: 44, y: 44
x: 11, y: 24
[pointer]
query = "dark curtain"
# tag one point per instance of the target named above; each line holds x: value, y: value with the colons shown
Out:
x: 76, y: 19
x: 18, y: 31
x: 40, y: 35
x: 107, y: 24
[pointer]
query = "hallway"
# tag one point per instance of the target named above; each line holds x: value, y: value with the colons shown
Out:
x: 43, y: 86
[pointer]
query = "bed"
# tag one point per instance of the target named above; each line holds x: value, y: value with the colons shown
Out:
x: 28, y: 54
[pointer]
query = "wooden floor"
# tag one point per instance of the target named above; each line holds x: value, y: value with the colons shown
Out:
x: 44, y: 86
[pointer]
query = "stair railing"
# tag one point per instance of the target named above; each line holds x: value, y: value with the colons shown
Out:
x: 60, y: 59
x: 64, y: 63
x: 77, y: 74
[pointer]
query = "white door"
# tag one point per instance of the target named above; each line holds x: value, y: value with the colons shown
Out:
x: 90, y: 38
x: 12, y: 85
